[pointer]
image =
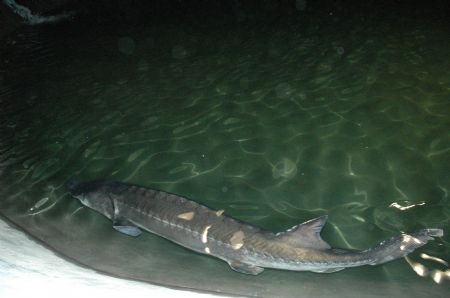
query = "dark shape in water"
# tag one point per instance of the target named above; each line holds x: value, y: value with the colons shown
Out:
x: 245, y: 248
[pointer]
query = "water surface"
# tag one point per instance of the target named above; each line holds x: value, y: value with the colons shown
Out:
x: 275, y: 125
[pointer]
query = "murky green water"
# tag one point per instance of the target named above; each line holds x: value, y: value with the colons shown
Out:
x: 276, y: 126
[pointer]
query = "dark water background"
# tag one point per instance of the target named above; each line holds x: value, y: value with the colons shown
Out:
x: 274, y: 124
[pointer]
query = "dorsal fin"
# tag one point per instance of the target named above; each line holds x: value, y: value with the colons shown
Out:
x: 306, y: 234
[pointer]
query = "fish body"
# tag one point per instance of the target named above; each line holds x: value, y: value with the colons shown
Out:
x: 246, y: 248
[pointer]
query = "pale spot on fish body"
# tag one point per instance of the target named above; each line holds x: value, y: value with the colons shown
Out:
x: 186, y: 216
x: 205, y: 234
x: 237, y: 240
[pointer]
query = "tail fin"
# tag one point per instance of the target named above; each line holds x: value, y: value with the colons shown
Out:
x: 400, y: 246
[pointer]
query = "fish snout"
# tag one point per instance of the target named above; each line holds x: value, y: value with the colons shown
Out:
x: 73, y: 187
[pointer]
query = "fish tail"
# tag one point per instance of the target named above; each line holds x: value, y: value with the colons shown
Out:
x: 400, y: 246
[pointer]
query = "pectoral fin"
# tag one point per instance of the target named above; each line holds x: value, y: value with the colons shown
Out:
x: 124, y: 226
x: 121, y: 224
x: 245, y: 268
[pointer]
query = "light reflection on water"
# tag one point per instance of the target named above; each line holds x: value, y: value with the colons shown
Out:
x: 437, y: 275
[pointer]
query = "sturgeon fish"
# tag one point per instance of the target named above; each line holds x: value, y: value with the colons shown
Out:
x: 246, y: 248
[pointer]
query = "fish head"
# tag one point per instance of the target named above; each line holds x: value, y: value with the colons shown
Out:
x: 93, y: 194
